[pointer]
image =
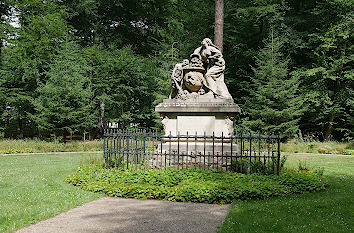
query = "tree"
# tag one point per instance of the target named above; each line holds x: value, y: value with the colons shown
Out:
x: 124, y: 86
x: 328, y: 80
x: 219, y: 24
x: 25, y: 60
x: 4, y: 12
x: 274, y: 105
x: 64, y: 105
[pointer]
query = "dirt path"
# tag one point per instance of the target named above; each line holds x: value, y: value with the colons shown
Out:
x: 110, y: 214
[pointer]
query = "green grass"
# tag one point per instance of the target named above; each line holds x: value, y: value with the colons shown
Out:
x: 8, y: 146
x: 32, y: 187
x: 330, y: 210
x: 313, y: 146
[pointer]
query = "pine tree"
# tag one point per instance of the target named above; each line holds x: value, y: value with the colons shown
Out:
x: 274, y: 105
x: 65, y: 102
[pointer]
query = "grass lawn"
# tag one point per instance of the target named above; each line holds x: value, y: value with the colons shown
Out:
x: 331, y: 210
x: 9, y: 146
x: 32, y: 187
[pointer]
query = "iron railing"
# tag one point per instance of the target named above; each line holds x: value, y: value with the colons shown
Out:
x: 140, y: 149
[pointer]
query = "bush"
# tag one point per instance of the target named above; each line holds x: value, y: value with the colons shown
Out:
x: 193, y: 185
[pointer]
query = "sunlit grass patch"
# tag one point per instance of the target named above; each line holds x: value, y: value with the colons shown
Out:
x: 326, y: 211
x: 8, y: 146
x: 32, y: 187
x: 313, y: 146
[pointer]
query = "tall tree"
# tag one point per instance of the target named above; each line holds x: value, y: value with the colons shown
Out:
x: 4, y: 12
x: 328, y: 81
x: 219, y: 24
x: 26, y: 57
x: 64, y: 105
x: 274, y: 105
x: 124, y: 85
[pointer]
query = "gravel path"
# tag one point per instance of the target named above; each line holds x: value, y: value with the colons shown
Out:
x: 110, y: 214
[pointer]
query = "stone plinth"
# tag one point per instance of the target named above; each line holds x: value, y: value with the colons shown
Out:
x: 183, y: 121
x: 198, y: 116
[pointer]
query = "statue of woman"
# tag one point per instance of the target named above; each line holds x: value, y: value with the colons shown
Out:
x: 214, y: 64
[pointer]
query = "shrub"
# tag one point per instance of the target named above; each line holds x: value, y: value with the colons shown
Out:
x: 193, y: 185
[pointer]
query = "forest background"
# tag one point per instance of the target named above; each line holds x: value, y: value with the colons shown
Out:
x: 72, y: 66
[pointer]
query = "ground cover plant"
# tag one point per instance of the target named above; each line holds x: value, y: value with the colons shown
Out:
x: 326, y: 211
x: 32, y: 187
x: 8, y: 146
x: 193, y: 185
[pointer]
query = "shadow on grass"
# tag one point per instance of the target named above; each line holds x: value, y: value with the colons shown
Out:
x: 330, y: 210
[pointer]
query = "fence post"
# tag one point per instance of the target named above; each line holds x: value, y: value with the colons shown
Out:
x: 128, y: 152
x: 250, y: 152
x: 278, y: 161
x: 104, y: 147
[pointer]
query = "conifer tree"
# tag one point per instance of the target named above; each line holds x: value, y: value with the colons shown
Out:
x: 274, y: 105
x: 64, y: 105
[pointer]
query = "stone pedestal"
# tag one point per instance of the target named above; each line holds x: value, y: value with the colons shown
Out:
x: 198, y: 116
x: 199, y: 130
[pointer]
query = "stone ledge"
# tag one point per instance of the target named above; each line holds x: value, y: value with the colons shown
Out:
x: 216, y: 106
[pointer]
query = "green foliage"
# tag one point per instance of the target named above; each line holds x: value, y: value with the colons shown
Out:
x: 328, y: 89
x: 65, y: 102
x: 274, y: 105
x: 26, y: 58
x: 257, y: 165
x: 133, y: 45
x: 123, y: 84
x: 193, y: 185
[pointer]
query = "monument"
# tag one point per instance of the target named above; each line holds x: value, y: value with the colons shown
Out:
x: 199, y: 100
x: 199, y: 103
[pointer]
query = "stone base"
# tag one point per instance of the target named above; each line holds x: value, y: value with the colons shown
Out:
x: 207, y: 161
x: 185, y: 121
x: 196, y: 154
x: 198, y: 148
x: 198, y: 118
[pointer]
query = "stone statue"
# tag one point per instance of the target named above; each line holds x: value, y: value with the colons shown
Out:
x: 199, y: 104
x: 177, y: 80
x: 202, y: 75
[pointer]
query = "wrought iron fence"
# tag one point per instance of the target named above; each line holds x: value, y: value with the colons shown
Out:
x: 140, y: 149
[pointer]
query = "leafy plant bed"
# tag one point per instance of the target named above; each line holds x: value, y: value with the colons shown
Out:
x: 194, y: 185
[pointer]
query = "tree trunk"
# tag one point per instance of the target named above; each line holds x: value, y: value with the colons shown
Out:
x: 64, y: 137
x: 329, y: 128
x: 219, y: 24
x: 20, y: 126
